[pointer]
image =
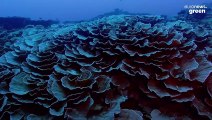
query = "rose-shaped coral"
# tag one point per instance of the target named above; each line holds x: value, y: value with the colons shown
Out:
x: 116, y: 67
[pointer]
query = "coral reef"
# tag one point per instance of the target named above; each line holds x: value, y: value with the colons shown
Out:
x: 122, y: 67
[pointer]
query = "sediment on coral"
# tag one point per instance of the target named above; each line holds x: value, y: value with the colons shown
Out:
x: 117, y: 67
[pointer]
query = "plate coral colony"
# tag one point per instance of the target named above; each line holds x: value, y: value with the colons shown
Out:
x: 122, y: 67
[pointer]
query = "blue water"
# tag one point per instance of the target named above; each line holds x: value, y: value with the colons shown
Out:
x: 86, y: 9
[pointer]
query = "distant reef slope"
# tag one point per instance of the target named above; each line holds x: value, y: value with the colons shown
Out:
x: 122, y: 67
x: 10, y: 23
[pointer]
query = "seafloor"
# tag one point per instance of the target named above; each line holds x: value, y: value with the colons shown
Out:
x: 122, y: 67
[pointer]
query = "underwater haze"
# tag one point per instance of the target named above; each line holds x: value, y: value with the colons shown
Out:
x: 74, y: 10
x: 105, y: 60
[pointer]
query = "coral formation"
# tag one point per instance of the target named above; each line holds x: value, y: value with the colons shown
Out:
x: 118, y: 67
